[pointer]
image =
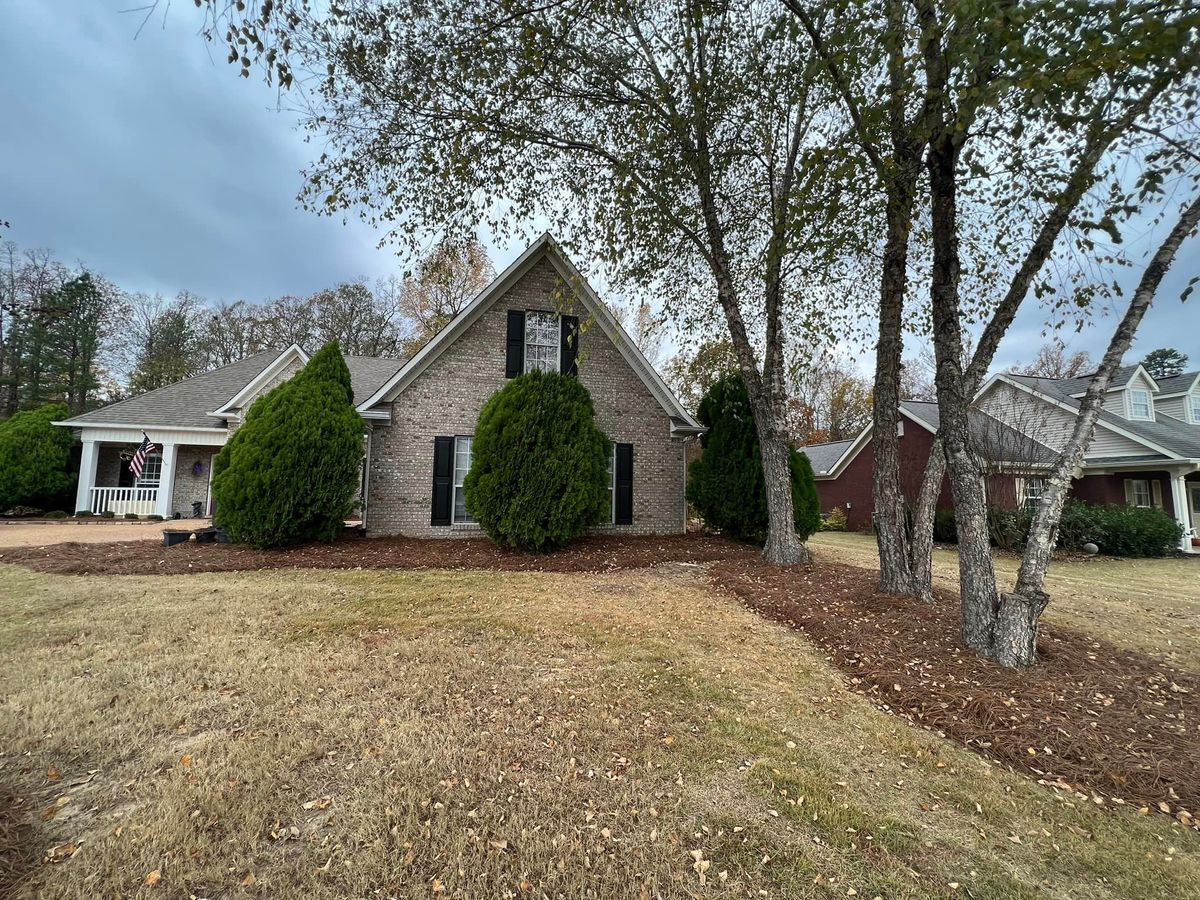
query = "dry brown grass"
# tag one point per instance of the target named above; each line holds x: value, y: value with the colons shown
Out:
x: 1152, y: 605
x: 486, y: 734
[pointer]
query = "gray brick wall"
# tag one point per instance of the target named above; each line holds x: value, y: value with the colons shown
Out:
x: 447, y: 397
x: 190, y: 487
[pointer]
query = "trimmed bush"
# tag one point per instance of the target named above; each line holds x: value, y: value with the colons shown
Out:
x: 55, y: 514
x: 35, y: 459
x: 539, y: 465
x: 83, y: 514
x: 726, y: 485
x: 1119, y: 530
x: 291, y: 472
x: 1008, y: 527
x: 835, y: 521
x: 108, y: 514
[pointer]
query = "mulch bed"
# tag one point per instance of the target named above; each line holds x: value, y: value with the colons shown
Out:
x: 1091, y: 718
x: 590, y: 554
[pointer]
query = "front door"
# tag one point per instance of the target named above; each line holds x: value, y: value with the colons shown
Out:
x: 1194, y: 494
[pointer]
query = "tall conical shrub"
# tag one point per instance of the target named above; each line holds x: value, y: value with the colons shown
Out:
x: 539, y: 464
x: 726, y: 486
x: 291, y: 472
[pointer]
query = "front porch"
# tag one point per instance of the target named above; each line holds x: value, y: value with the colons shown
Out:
x: 176, y: 477
x: 1175, y: 489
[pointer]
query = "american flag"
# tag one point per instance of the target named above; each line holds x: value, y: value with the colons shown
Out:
x: 139, y: 456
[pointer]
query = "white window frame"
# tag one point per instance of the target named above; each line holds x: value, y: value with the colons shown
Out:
x: 1134, y: 492
x: 143, y: 480
x: 539, y: 317
x: 1193, y: 402
x: 1134, y: 413
x: 1031, y: 498
x: 457, y: 476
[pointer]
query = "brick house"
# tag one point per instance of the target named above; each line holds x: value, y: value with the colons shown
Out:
x: 419, y: 414
x: 1145, y: 451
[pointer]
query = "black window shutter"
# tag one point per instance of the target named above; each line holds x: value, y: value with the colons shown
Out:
x: 443, y: 480
x: 514, y: 356
x: 624, y: 511
x: 570, y: 345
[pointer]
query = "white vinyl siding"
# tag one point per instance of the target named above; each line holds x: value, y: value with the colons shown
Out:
x: 542, y: 341
x: 462, y: 465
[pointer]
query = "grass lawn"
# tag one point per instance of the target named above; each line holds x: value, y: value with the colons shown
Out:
x: 1152, y: 605
x: 498, y: 734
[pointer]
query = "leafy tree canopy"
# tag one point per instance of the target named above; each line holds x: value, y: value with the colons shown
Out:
x: 1166, y: 362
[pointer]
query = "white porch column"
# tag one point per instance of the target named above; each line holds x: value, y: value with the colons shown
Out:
x: 1179, y: 504
x: 87, y: 475
x: 166, y: 480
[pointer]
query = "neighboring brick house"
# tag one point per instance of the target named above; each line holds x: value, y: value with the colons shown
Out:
x: 1145, y: 451
x: 419, y: 414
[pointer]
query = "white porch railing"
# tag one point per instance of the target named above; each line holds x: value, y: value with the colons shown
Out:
x: 141, y: 501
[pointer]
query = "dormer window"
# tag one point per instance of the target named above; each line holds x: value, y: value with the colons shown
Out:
x: 1140, y: 406
x: 1194, y: 408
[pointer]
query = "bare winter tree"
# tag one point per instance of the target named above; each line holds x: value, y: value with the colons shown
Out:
x: 1053, y: 361
x: 449, y: 277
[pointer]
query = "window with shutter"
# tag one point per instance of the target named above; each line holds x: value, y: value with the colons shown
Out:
x: 569, y: 355
x: 623, y: 488
x: 542, y: 340
x: 443, y: 480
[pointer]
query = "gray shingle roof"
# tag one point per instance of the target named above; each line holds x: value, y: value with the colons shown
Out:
x: 823, y: 456
x: 997, y: 441
x: 186, y: 403
x: 1177, y: 384
x: 1168, y: 432
x: 369, y: 373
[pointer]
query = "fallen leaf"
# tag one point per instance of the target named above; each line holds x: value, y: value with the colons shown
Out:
x: 249, y: 880
x: 52, y: 773
x: 153, y: 878
x: 319, y: 803
x: 186, y: 759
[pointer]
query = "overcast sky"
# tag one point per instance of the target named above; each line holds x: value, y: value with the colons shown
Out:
x: 152, y: 163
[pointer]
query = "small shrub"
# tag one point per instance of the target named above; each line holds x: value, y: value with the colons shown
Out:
x: 154, y: 518
x: 291, y: 472
x: 108, y: 514
x: 539, y: 466
x: 835, y: 521
x: 83, y: 513
x: 1008, y: 527
x: 945, y: 529
x: 726, y: 484
x: 55, y: 514
x: 132, y: 516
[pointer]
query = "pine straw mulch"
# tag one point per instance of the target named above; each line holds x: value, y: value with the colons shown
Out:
x: 1090, y: 718
x: 18, y: 850
x: 590, y: 554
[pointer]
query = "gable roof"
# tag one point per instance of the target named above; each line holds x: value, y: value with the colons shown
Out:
x: 998, y: 441
x: 544, y: 247
x: 184, y: 404
x: 825, y: 456
x: 1166, y: 434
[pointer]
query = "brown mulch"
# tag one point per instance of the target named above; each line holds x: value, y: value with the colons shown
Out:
x: 18, y: 853
x: 1090, y: 718
x: 589, y: 554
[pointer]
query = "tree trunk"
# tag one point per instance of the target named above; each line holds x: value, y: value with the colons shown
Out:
x: 923, y: 519
x: 891, y: 529
x: 977, y: 577
x: 1016, y: 628
x: 782, y: 546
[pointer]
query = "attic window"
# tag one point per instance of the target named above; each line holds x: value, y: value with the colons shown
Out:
x: 541, y: 341
x: 1194, y: 408
x: 1139, y: 405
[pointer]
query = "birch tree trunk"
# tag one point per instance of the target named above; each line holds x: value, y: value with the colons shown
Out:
x: 1015, y: 637
x: 1083, y: 175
